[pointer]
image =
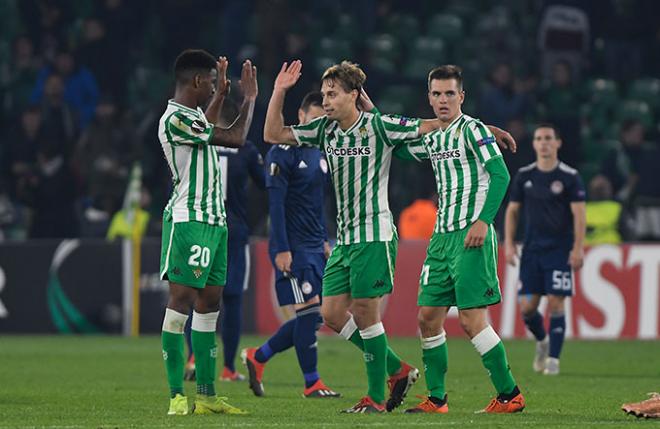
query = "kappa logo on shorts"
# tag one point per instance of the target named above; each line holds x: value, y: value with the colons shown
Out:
x: 489, y: 292
x: 176, y: 271
x: 379, y: 284
x: 197, y: 273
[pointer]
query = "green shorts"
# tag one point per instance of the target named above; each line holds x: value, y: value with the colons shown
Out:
x: 193, y: 254
x: 455, y: 276
x: 363, y: 270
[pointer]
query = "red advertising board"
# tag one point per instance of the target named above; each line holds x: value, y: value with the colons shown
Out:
x: 617, y: 295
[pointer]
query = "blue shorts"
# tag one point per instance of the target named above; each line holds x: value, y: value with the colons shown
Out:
x: 238, y: 267
x: 305, y: 280
x: 546, y: 272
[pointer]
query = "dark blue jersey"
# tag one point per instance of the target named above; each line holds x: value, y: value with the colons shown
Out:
x: 235, y: 165
x: 546, y: 198
x: 295, y: 179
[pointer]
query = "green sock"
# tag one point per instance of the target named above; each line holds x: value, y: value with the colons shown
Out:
x: 500, y: 373
x: 174, y: 361
x: 393, y: 361
x: 435, y: 368
x: 375, y: 357
x: 205, y: 350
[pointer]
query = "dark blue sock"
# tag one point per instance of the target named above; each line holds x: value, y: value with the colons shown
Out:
x: 557, y: 333
x: 304, y: 339
x: 230, y: 328
x: 282, y: 340
x: 534, y: 323
x: 187, y: 332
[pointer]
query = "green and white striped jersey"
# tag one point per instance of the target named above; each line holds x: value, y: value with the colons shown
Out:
x: 184, y: 134
x: 458, y: 156
x: 359, y: 160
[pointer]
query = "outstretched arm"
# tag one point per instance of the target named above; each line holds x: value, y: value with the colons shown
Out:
x: 235, y: 135
x: 274, y: 130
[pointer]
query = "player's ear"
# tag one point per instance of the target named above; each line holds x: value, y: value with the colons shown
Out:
x: 197, y: 81
x: 462, y: 96
x: 301, y: 116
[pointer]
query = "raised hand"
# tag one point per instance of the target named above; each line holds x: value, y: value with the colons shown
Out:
x: 223, y: 85
x: 248, y: 80
x: 364, y: 102
x: 288, y: 75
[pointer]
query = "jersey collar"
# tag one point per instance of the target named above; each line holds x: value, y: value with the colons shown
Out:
x: 453, y: 123
x: 181, y: 106
x: 352, y: 127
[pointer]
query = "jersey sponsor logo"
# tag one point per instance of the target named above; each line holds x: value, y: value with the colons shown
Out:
x: 302, y: 164
x: 197, y: 126
x: 446, y: 154
x: 486, y: 140
x: 556, y: 187
x: 274, y: 169
x: 348, y: 151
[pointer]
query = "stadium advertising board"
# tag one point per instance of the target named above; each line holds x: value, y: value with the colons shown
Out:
x: 617, y: 295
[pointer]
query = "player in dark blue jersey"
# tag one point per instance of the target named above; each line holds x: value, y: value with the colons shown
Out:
x: 553, y: 198
x: 296, y: 177
x: 236, y: 164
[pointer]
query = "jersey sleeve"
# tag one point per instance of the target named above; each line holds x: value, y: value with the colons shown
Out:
x: 399, y: 130
x: 311, y: 133
x: 415, y: 150
x: 481, y: 142
x: 277, y: 182
x: 576, y: 192
x: 516, y: 193
x: 188, y: 129
x: 278, y: 168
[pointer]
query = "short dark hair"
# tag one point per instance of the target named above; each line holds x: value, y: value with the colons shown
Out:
x: 191, y: 62
x: 447, y: 72
x: 313, y: 98
x: 349, y: 75
x: 553, y: 127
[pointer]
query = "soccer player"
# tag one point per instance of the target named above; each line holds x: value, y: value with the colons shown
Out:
x: 194, y: 240
x: 461, y: 261
x: 299, y: 249
x: 553, y: 197
x: 236, y: 164
x: 358, y: 146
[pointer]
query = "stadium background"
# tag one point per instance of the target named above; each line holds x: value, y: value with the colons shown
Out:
x: 83, y: 83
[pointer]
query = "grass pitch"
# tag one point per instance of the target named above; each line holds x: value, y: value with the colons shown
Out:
x: 113, y: 382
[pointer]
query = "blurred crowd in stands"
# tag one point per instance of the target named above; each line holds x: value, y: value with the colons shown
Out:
x: 83, y: 84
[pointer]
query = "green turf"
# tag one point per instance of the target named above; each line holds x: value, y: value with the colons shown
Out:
x: 109, y: 382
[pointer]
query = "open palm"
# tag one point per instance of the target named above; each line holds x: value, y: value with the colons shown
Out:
x: 289, y: 75
x: 248, y: 80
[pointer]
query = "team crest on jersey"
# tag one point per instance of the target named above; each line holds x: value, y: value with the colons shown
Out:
x: 363, y: 132
x: 274, y: 169
x: 528, y: 184
x: 307, y: 288
x: 324, y: 165
x: 197, y: 273
x: 556, y: 187
x: 197, y: 126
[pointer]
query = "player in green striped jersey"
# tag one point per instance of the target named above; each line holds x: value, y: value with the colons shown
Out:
x: 358, y: 146
x: 461, y: 261
x: 194, y: 240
